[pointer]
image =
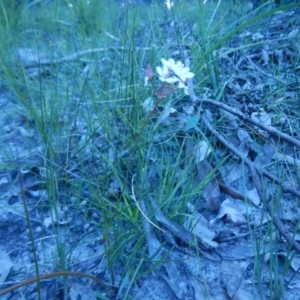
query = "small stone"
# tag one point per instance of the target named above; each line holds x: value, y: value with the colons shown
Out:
x: 38, y: 229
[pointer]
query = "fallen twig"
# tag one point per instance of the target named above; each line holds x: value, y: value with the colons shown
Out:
x: 51, y: 275
x: 281, y: 228
x: 256, y: 181
x: 77, y: 55
x: 269, y: 129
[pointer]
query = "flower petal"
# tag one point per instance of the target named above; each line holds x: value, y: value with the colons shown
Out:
x: 159, y: 70
x: 164, y: 62
x: 172, y: 79
x: 146, y: 79
x: 171, y: 63
x: 181, y: 85
x: 189, y: 75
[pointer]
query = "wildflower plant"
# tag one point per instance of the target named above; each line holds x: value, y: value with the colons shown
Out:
x: 175, y: 74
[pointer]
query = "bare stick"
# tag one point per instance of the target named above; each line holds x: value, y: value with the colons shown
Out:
x: 269, y: 129
x: 257, y: 183
x: 77, y: 55
x: 281, y: 228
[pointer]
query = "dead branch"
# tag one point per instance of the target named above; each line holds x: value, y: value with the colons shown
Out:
x: 256, y: 178
x: 77, y: 55
x: 281, y: 228
x: 269, y: 129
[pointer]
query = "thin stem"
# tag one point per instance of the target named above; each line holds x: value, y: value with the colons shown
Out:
x: 51, y: 275
x: 31, y: 237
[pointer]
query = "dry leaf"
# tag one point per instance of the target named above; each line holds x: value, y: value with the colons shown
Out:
x: 232, y: 252
x: 193, y: 223
x: 230, y: 213
x: 262, y: 116
x: 287, y: 159
x: 294, y: 263
x: 198, y: 290
x: 26, y: 132
x: 5, y: 266
x: 231, y: 120
x: 242, y: 295
x: 176, y: 282
x: 193, y: 121
x: 266, y: 155
x: 244, y: 149
x: 232, y: 280
x: 243, y: 135
x: 164, y: 117
x: 253, y: 196
x: 211, y: 191
x: 148, y: 105
x: 232, y: 172
x: 202, y: 150
x: 293, y: 33
x: 234, y: 212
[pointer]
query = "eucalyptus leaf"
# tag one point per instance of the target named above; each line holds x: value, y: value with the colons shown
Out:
x: 192, y: 122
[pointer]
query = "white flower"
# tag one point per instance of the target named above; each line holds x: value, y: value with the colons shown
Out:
x: 173, y: 72
x: 164, y: 72
x: 184, y: 74
x: 171, y: 64
x: 184, y: 87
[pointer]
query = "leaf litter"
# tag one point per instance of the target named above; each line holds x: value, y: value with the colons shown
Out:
x: 215, y: 235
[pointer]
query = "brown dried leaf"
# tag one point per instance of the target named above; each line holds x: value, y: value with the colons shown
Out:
x: 200, y: 292
x: 165, y: 115
x: 201, y: 151
x: 232, y: 252
x: 242, y: 295
x: 233, y: 172
x: 287, y: 159
x: 230, y: 213
x: 234, y: 213
x: 266, y: 155
x: 211, y: 191
x: 176, y: 282
x: 194, y: 224
x: 294, y: 263
x: 263, y: 117
x: 178, y: 231
x: 148, y: 105
x: 231, y: 120
x: 253, y: 197
x: 232, y: 280
x: 244, y: 149
x: 5, y: 266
